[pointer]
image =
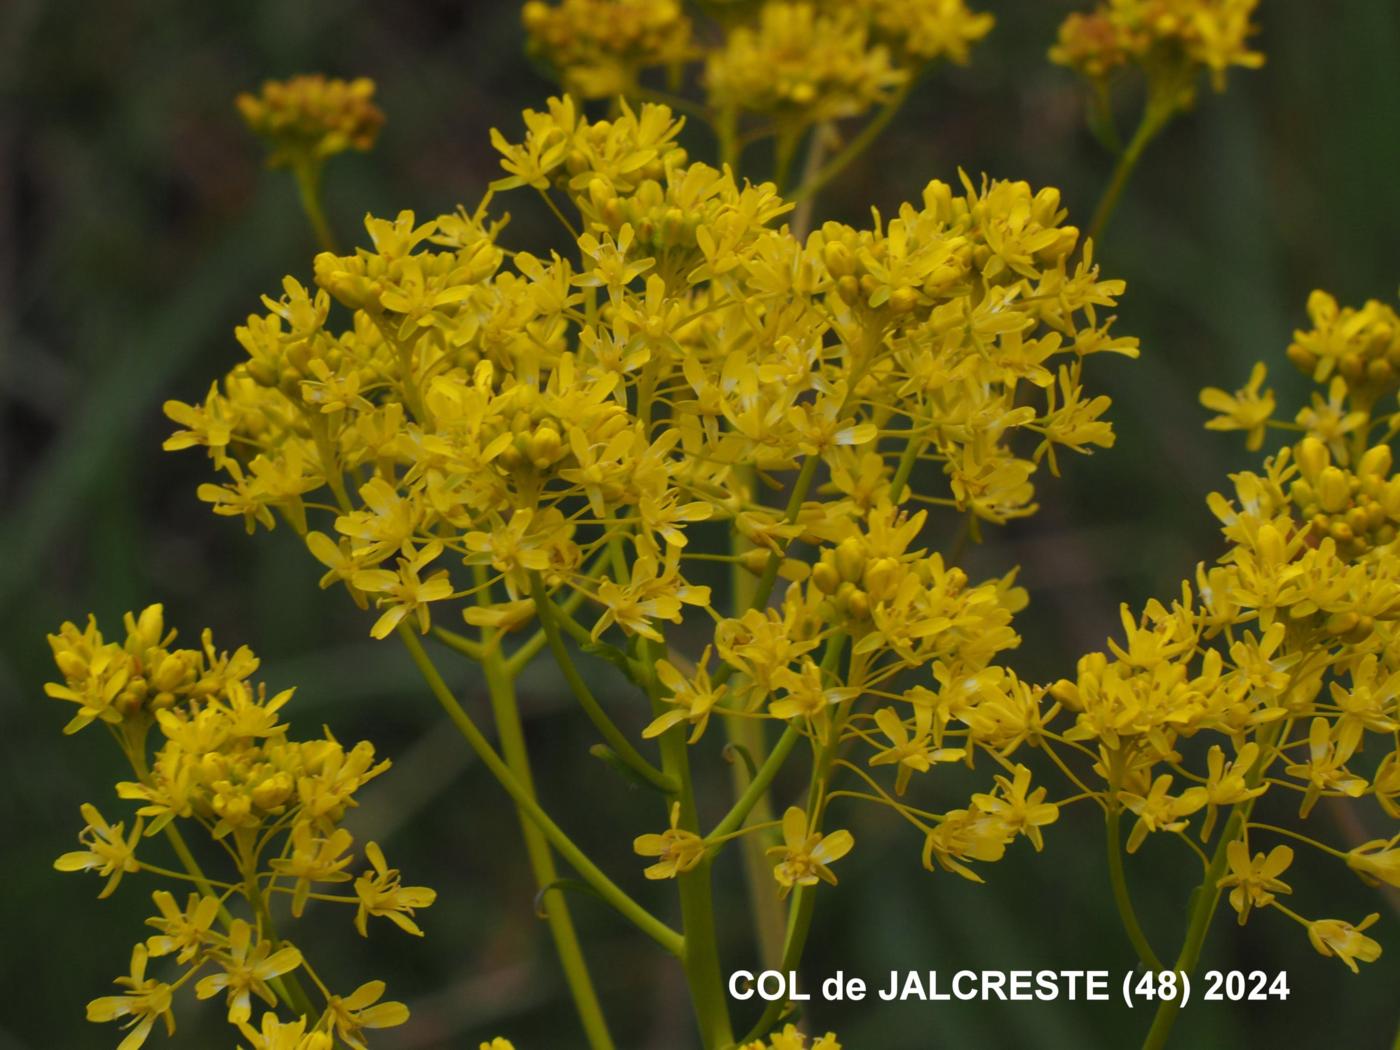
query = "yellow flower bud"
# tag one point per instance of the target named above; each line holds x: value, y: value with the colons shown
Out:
x: 1332, y: 490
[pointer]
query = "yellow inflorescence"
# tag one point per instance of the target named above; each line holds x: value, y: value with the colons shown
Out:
x: 599, y: 47
x: 802, y: 62
x: 1282, y: 654
x: 1154, y: 34
x: 225, y: 765
x: 493, y: 426
x: 309, y: 118
x: 791, y: 1039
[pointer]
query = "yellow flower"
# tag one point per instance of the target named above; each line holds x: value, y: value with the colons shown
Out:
x: 381, y: 894
x: 1345, y: 941
x: 1160, y: 811
x: 1254, y: 880
x: 1376, y: 861
x: 1021, y: 810
x: 679, y: 849
x: 693, y: 698
x: 145, y: 1001
x: 247, y: 967
x: 186, y: 931
x: 314, y: 859
x: 912, y: 753
x: 806, y: 855
x: 362, y: 1009
x: 402, y: 591
x: 108, y: 853
x: 291, y: 1035
x: 1247, y: 409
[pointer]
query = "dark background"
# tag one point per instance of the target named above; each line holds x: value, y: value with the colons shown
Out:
x: 139, y: 227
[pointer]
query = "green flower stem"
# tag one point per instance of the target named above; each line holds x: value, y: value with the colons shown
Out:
x: 1157, y: 116
x: 468, y: 648
x: 308, y: 176
x: 622, y: 747
x: 1207, y: 895
x: 757, y: 790
x: 292, y: 991
x: 1112, y: 816
x: 804, y: 902
x: 577, y: 859
x: 858, y: 145
x: 701, y: 957
x: 769, y: 919
x: 561, y: 923
x: 799, y: 924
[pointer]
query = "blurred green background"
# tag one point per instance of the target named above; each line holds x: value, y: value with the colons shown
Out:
x: 139, y: 227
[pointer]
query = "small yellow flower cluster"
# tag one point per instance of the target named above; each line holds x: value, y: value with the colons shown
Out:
x: 1181, y: 36
x: 310, y: 118
x: 1283, y: 651
x: 925, y: 30
x: 598, y: 48
x: 791, y: 1039
x: 272, y: 804
x: 802, y: 63
x: 798, y: 62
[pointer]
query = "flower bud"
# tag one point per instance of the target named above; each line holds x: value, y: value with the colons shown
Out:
x: 1332, y: 490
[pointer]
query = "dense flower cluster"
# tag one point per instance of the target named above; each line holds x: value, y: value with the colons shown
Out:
x: 1162, y: 37
x: 1282, y: 656
x: 796, y: 61
x: 271, y: 803
x: 598, y: 48
x: 557, y: 427
x: 312, y: 117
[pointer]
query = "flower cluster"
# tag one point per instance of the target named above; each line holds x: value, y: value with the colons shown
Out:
x: 802, y: 64
x: 791, y: 1039
x: 796, y: 62
x: 271, y: 804
x: 520, y: 437
x: 1283, y: 654
x: 1164, y: 38
x: 598, y: 48
x: 310, y: 118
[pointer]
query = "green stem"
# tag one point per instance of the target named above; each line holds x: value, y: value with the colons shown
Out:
x: 859, y: 144
x: 621, y: 746
x: 1207, y: 895
x: 308, y: 176
x: 701, y: 958
x: 769, y: 918
x: 1154, y: 119
x: 1113, y: 816
x: 577, y: 859
x: 758, y: 787
x: 799, y: 924
x: 561, y: 923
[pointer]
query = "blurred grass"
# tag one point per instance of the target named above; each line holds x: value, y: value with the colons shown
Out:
x: 139, y: 228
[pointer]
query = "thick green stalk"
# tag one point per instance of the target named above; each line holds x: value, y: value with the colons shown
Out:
x: 749, y: 734
x: 561, y: 923
x: 1207, y: 895
x: 577, y: 859
x: 701, y: 958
